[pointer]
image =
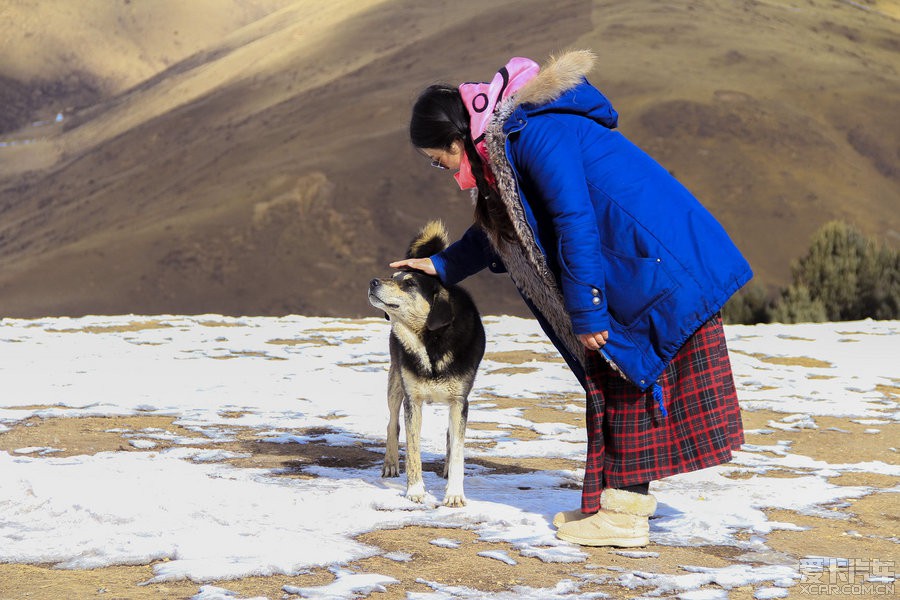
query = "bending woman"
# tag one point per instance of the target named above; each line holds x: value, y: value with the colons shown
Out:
x: 623, y: 268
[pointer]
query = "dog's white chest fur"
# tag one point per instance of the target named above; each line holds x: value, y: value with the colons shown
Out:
x: 442, y: 391
x: 411, y: 342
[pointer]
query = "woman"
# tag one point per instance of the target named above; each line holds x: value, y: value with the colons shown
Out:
x: 621, y: 265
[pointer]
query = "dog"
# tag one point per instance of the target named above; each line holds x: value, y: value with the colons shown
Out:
x: 437, y: 342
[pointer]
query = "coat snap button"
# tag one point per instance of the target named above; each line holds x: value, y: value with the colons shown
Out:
x: 595, y: 291
x: 596, y: 300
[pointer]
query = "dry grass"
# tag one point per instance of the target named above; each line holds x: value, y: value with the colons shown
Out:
x: 790, y: 361
x: 518, y: 357
x: 130, y: 327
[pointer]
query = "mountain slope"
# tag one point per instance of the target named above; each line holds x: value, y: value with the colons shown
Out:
x: 267, y: 171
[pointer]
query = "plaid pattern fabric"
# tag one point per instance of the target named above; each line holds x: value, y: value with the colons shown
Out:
x: 631, y: 442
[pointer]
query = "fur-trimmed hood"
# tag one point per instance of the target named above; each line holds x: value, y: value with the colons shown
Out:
x: 561, y: 73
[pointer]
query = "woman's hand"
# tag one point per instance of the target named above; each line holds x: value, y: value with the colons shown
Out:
x: 594, y: 341
x: 419, y: 264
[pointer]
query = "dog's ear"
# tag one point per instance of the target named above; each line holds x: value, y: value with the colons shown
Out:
x: 441, y: 313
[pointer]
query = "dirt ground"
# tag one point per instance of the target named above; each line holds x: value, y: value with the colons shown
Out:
x: 870, y: 532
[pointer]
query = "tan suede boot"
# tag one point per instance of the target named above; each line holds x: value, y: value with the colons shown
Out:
x: 623, y: 521
x: 567, y: 516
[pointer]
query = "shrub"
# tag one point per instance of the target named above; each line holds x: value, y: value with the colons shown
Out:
x: 750, y: 305
x: 843, y: 276
x: 797, y: 305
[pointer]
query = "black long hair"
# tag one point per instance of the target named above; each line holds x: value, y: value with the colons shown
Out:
x: 439, y: 118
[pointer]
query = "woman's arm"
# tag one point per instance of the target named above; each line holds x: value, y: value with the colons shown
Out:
x: 463, y: 258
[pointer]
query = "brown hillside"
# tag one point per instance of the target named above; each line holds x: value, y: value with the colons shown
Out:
x: 251, y: 158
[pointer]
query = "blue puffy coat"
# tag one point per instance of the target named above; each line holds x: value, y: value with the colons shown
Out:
x: 628, y: 249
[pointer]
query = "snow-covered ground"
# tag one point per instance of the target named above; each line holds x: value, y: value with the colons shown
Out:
x: 303, y: 380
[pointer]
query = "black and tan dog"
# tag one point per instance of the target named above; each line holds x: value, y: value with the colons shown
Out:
x: 436, y: 344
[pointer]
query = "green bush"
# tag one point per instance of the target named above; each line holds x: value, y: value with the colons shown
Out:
x: 844, y: 276
x: 797, y: 305
x: 750, y: 305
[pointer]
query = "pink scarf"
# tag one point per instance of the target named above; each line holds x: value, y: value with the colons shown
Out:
x: 481, y: 99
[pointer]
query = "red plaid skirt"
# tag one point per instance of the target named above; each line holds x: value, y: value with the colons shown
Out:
x: 631, y: 442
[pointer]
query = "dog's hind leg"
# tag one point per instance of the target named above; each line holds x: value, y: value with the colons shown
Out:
x: 392, y: 448
x: 415, y: 486
x: 455, y: 465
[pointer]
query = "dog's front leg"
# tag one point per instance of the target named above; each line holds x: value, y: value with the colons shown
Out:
x: 392, y: 447
x: 415, y: 486
x: 455, y: 465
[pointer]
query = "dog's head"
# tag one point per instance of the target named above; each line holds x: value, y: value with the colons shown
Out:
x: 411, y: 297
x: 415, y: 299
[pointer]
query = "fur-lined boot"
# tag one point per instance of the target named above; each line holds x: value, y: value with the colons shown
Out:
x: 567, y: 516
x: 623, y: 521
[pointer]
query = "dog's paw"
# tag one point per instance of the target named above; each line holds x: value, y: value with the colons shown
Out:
x: 390, y: 469
x: 454, y: 500
x: 416, y: 493
x: 417, y: 497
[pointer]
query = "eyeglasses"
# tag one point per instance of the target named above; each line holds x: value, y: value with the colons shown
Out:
x: 438, y: 164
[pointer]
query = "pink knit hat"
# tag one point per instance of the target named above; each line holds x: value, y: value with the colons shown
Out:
x: 481, y: 99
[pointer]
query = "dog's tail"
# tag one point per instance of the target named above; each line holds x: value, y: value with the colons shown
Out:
x: 430, y: 240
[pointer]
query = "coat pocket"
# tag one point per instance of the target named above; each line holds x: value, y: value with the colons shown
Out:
x: 634, y: 285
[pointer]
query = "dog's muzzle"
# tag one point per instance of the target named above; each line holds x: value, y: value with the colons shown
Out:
x: 374, y: 286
